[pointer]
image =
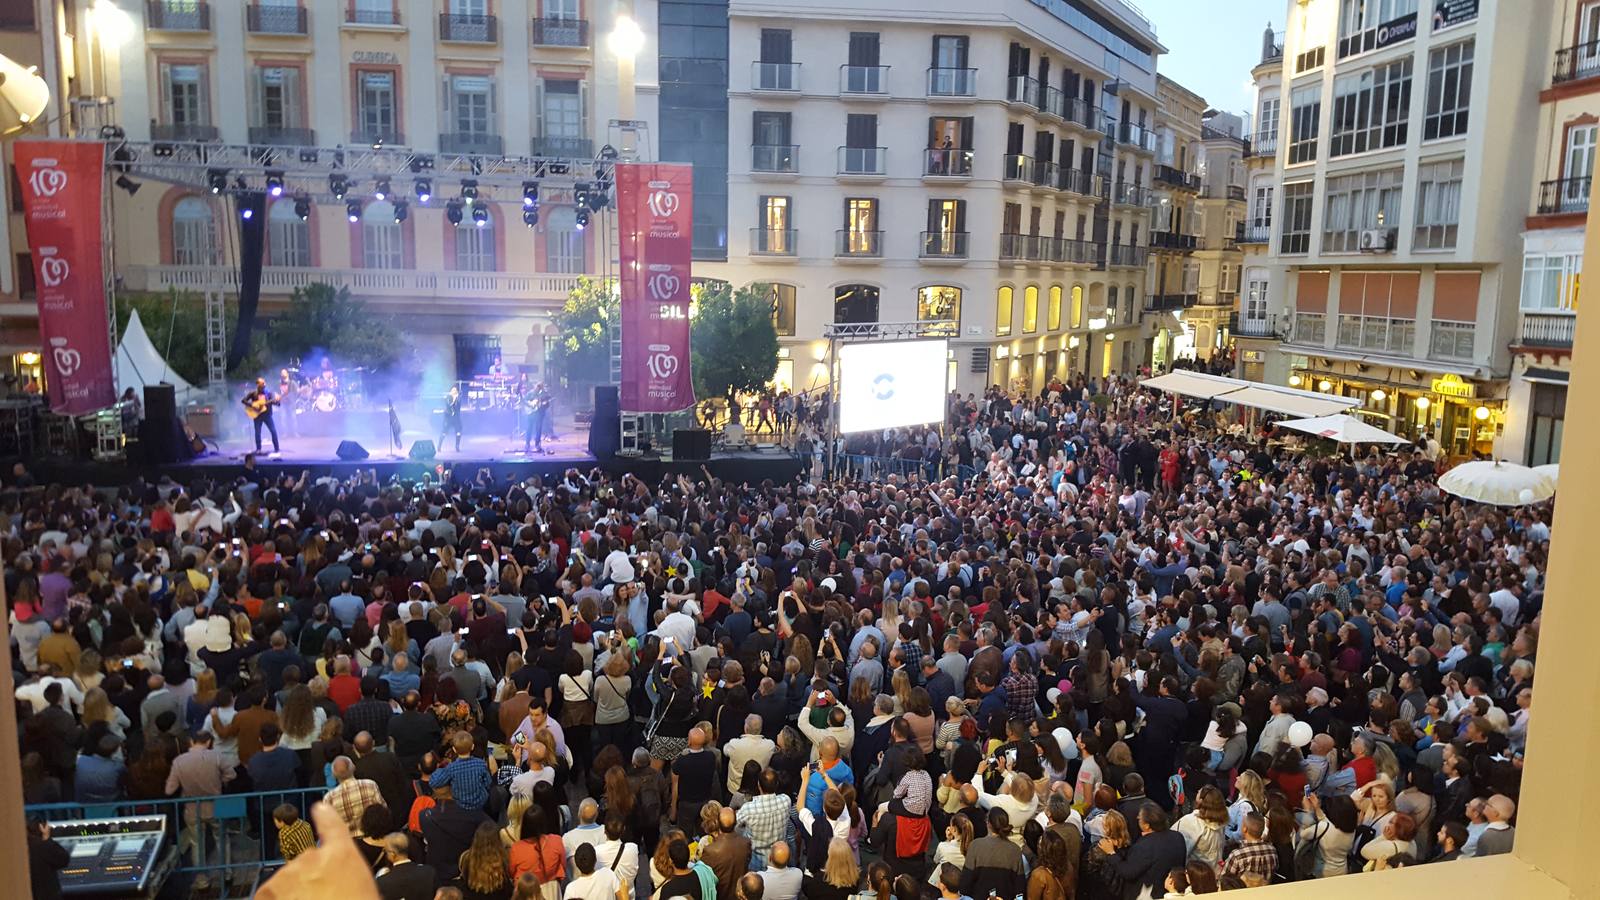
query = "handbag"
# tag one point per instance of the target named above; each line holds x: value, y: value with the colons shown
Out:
x: 1305, y: 855
x: 1364, y: 835
x: 578, y: 713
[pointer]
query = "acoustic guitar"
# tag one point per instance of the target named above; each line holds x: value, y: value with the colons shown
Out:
x: 258, y: 407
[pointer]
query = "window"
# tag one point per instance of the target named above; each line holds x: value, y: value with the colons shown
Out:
x: 288, y: 238
x: 194, y: 233
x: 1053, y: 317
x: 381, y: 237
x: 475, y: 246
x: 185, y: 94
x: 1361, y: 24
x: 1449, y: 91
x: 1030, y: 309
x: 854, y: 303
x: 1255, y: 297
x: 861, y: 234
x: 949, y: 51
x: 1003, y: 311
x: 775, y: 228
x: 939, y: 303
x: 771, y: 141
x: 1550, y: 282
x: 1261, y: 207
x: 469, y: 104
x: 1077, y: 306
x: 777, y: 45
x: 1438, y: 204
x: 783, y: 309
x: 1267, y: 118
x: 1295, y: 236
x: 376, y: 103
x: 565, y: 10
x: 947, y: 223
x: 1357, y: 202
x: 1548, y: 412
x: 1579, y: 161
x: 561, y: 110
x: 563, y: 242
x: 1305, y: 107
x: 1370, y: 109
x: 276, y: 97
x: 1111, y: 304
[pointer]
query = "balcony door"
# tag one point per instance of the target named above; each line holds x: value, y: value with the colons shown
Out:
x: 947, y: 220
x: 277, y: 97
x: 861, y: 225
x: 376, y: 110
x: 775, y: 224
x: 185, y: 94
x: 864, y: 75
x: 1588, y: 35
x: 469, y: 105
x: 1577, y: 165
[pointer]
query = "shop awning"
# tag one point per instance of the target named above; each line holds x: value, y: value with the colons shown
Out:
x: 1270, y: 397
x: 1345, y: 429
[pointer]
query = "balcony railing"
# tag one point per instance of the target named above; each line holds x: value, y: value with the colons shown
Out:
x: 1011, y: 246
x: 1256, y: 234
x: 1564, y: 195
x: 1177, y: 178
x: 471, y: 142
x: 277, y: 136
x: 472, y: 28
x: 863, y: 79
x: 1125, y: 256
x: 374, y: 136
x: 1254, y: 328
x: 1547, y: 329
x: 1083, y: 253
x: 1272, y: 47
x: 178, y: 15
x: 773, y: 241
x: 1310, y: 328
x: 1019, y: 167
x: 1265, y: 143
x: 560, y: 32
x: 1046, y: 173
x: 563, y: 147
x: 1577, y: 62
x: 1050, y: 100
x: 1235, y: 192
x: 1172, y: 240
x: 1078, y: 181
x: 163, y: 131
x: 1126, y: 193
x: 858, y: 244
x: 1136, y: 136
x: 1024, y: 90
x: 863, y: 160
x: 358, y: 16
x: 945, y: 82
x: 1392, y: 336
x: 775, y: 76
x: 780, y: 158
x: 1451, y: 340
x: 947, y: 163
x: 943, y: 245
x: 275, y: 19
x: 1161, y: 302
x: 1081, y: 111
x: 445, y: 287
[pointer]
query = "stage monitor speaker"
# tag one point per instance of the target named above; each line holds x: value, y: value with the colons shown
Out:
x: 160, y: 402
x: 691, y: 443
x: 350, y: 451
x: 423, y: 450
x: 605, y: 430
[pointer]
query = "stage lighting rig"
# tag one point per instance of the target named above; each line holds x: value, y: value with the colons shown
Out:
x: 530, y: 193
x: 530, y: 216
x: 338, y: 186
x: 452, y: 212
x: 217, y: 180
x: 582, y: 218
x: 401, y: 210
x: 275, y: 182
x: 424, y: 190
x: 302, y: 206
x: 469, y: 191
x: 480, y: 215
x: 580, y: 194
x: 380, y: 189
x: 352, y: 209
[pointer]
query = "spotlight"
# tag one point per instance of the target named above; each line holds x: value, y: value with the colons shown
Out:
x: 128, y: 184
x: 162, y: 150
x: 247, y: 214
x: 239, y: 184
x: 275, y: 182
x: 469, y: 191
x: 609, y: 153
x: 401, y: 210
x: 452, y: 212
x: 580, y: 193
x: 338, y: 186
x: 308, y: 155
x: 530, y: 193
x: 598, y: 199
x: 217, y: 180
x: 352, y: 208
x: 421, y: 163
x: 302, y: 206
x: 582, y: 218
x: 480, y: 215
x: 381, y: 189
x: 424, y: 190
x: 530, y: 216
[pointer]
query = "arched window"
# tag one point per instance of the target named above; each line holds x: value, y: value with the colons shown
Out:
x: 783, y: 296
x: 1002, y: 311
x: 288, y: 237
x: 1112, y: 310
x: 563, y: 242
x: 1030, y: 309
x: 1128, y: 300
x: 939, y: 303
x: 475, y: 245
x: 1053, y: 317
x: 194, y: 233
x: 1077, y: 306
x: 855, y: 303
x: 381, y: 237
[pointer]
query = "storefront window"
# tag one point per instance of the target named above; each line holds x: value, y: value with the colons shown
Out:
x: 1546, y: 417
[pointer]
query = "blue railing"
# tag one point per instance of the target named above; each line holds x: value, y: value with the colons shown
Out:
x: 875, y: 468
x: 231, y: 833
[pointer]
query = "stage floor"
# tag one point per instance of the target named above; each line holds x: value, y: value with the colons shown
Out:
x: 571, y: 446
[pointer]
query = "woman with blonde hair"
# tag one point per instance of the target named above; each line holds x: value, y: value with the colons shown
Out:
x: 1375, y: 801
x: 1252, y: 798
x: 507, y: 688
x: 958, y: 836
x: 97, y: 707
x: 1017, y: 798
x: 901, y: 685
x: 90, y: 671
x: 512, y: 832
x: 1205, y: 828
x: 1098, y: 879
x: 839, y: 877
x: 399, y: 642
x: 485, y: 865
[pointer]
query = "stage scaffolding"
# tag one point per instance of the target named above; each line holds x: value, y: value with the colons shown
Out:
x: 868, y: 333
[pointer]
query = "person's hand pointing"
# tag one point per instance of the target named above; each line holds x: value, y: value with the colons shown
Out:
x: 334, y: 868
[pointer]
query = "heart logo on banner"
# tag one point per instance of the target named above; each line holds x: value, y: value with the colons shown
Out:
x: 48, y: 182
x: 662, y: 365
x: 663, y: 286
x: 67, y: 360
x: 54, y: 271
x: 663, y: 203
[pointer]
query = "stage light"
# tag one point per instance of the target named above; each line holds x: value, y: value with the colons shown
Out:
x: 424, y: 190
x: 422, y: 163
x: 452, y: 212
x: 582, y: 219
x: 401, y: 210
x: 247, y: 213
x: 338, y: 186
x: 352, y: 208
x: 128, y: 184
x: 530, y: 216
x: 217, y: 180
x: 530, y: 193
x: 580, y: 194
x: 302, y: 206
x: 480, y: 215
x: 598, y: 199
x: 469, y: 191
x: 162, y: 150
x: 381, y: 189
x: 308, y: 155
x: 275, y: 183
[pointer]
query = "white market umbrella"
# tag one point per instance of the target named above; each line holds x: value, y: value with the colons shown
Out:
x: 1549, y: 470
x: 1497, y: 483
x: 1344, y: 429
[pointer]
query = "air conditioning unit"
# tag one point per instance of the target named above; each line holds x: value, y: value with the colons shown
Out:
x: 1378, y: 240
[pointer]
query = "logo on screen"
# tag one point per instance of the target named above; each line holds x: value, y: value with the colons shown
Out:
x: 67, y: 360
x: 883, y: 386
x: 662, y: 203
x: 47, y: 182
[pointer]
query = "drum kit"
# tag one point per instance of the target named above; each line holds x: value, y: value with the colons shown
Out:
x: 327, y: 391
x: 489, y: 392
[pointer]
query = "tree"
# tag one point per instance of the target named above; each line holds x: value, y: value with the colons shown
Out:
x: 322, y: 317
x: 582, y: 353
x: 176, y: 323
x: 732, y: 340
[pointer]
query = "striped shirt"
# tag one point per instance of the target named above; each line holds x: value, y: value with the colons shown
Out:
x: 294, y: 839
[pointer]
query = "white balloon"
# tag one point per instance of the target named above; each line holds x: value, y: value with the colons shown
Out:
x: 1300, y: 734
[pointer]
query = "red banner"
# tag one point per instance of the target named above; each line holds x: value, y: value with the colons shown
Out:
x: 655, y: 221
x: 62, y: 183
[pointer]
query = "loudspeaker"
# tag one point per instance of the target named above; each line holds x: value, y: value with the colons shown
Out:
x: 691, y: 443
x: 423, y: 450
x: 605, y: 430
x: 160, y: 402
x: 350, y: 451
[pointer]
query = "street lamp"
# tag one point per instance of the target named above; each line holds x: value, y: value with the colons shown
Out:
x: 626, y: 38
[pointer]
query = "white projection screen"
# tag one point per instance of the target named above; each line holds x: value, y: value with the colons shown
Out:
x: 891, y: 385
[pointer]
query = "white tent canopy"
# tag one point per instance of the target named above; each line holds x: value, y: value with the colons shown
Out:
x: 1345, y: 429
x: 1270, y: 397
x: 138, y: 363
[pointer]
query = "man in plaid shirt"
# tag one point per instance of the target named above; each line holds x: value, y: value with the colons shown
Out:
x: 353, y: 795
x: 766, y: 816
x: 1254, y: 854
x: 910, y: 651
x: 1022, y: 690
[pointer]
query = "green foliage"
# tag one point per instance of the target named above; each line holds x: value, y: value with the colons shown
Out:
x: 323, y: 317
x: 732, y: 340
x: 582, y: 354
x: 176, y: 324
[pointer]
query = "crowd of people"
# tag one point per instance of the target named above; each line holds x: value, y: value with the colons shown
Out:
x: 1134, y: 650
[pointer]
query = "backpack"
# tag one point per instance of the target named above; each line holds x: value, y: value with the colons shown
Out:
x: 312, y: 637
x: 647, y: 803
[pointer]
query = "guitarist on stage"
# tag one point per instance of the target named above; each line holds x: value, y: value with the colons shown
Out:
x: 535, y: 407
x: 258, y: 406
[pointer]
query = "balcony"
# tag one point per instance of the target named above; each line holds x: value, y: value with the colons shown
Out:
x: 1256, y: 234
x: 563, y: 147
x: 278, y: 136
x: 1564, y: 195
x: 1078, y: 181
x: 1081, y: 253
x: 435, y: 288
x: 943, y: 245
x: 863, y: 81
x: 472, y: 143
x: 1265, y: 143
x: 376, y: 136
x: 938, y: 162
x: 1235, y: 192
x: 1177, y: 178
x: 1271, y: 47
x: 952, y: 83
x: 1394, y: 337
x: 1081, y: 112
x: 773, y: 241
x: 1136, y: 136
x: 1019, y: 168
x: 1547, y: 329
x: 260, y: 19
x: 1172, y: 240
x: 1452, y: 340
x: 162, y: 131
x: 1046, y: 174
x: 1576, y: 63
x: 469, y: 28
x: 1127, y: 257
x: 1310, y: 328
x: 1165, y: 302
x: 1126, y: 193
x: 863, y: 161
x: 1253, y: 328
x: 852, y: 244
x: 358, y: 16
x: 777, y: 159
x: 178, y: 15
x: 560, y: 32
x: 1052, y: 101
x: 778, y: 77
x: 1024, y: 90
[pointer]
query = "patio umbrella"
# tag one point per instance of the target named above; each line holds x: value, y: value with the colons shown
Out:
x: 1344, y: 429
x: 1549, y: 470
x: 1497, y: 483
